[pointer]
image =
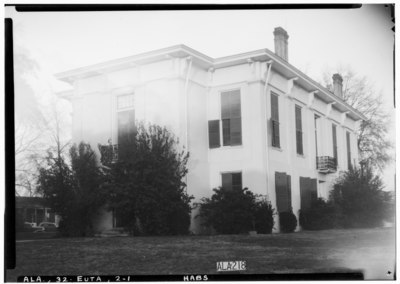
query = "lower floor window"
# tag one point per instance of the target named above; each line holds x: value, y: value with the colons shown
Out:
x: 283, y: 189
x: 232, y: 181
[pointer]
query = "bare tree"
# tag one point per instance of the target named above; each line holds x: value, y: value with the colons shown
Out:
x: 38, y: 123
x: 373, y: 143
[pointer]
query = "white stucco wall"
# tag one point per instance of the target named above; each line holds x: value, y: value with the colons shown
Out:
x: 164, y: 95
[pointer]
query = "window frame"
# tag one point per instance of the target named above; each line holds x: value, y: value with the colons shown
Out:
x: 129, y: 107
x: 316, y: 123
x: 216, y: 133
x: 348, y: 146
x: 231, y: 173
x: 299, y: 130
x: 119, y: 110
x: 226, y: 122
x: 335, y: 144
x: 275, y: 125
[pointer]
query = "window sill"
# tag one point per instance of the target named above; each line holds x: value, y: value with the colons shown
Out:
x: 227, y: 147
x: 301, y: 156
x: 276, y: 148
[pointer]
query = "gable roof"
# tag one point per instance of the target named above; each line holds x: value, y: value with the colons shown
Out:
x: 279, y: 65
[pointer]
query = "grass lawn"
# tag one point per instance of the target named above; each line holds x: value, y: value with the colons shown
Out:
x: 372, y: 250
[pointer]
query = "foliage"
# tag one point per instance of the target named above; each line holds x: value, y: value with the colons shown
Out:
x: 146, y: 184
x: 229, y: 211
x: 236, y: 211
x: 388, y: 198
x: 264, y: 217
x: 373, y: 144
x: 73, y: 191
x: 321, y: 215
x: 39, y: 113
x: 358, y: 195
x: 287, y: 221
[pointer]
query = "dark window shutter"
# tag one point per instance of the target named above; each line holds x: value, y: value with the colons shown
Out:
x: 213, y: 133
x: 313, y: 190
x: 282, y: 199
x: 274, y: 107
x: 236, y: 131
x: 227, y: 181
x: 226, y: 132
x: 126, y: 132
x: 348, y: 150
x: 298, y: 118
x: 334, y: 142
x: 289, y: 192
x: 299, y: 142
x: 305, y: 196
x: 275, y: 134
x: 275, y: 120
x: 299, y: 133
x: 126, y: 127
x: 316, y: 117
x: 232, y: 181
x: 308, y: 192
x: 237, y: 180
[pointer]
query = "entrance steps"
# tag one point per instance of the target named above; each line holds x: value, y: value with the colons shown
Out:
x: 114, y: 232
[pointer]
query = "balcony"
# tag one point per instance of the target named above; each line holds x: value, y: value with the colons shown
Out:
x: 109, y: 154
x: 326, y: 164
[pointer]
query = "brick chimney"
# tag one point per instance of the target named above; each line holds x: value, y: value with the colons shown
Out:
x: 281, y: 43
x: 337, y: 85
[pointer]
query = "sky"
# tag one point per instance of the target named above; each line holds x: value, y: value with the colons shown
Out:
x: 319, y: 40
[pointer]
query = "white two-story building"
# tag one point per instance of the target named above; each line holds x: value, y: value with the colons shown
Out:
x: 248, y: 120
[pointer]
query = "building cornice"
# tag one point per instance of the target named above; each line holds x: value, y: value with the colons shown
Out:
x: 182, y: 51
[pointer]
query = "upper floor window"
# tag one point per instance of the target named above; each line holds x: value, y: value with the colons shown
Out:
x: 275, y: 120
x: 299, y: 132
x: 125, y: 101
x: 316, y: 117
x: 231, y: 118
x: 232, y: 181
x: 334, y: 143
x: 126, y: 120
x: 213, y: 134
x: 348, y: 150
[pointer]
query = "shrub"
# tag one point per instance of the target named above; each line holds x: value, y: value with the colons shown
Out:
x: 228, y: 211
x: 321, y: 215
x: 359, y: 197
x: 73, y: 190
x: 287, y: 221
x: 146, y: 184
x: 236, y: 211
x: 264, y: 217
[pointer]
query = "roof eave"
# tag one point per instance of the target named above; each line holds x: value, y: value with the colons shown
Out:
x: 313, y: 85
x: 132, y: 61
x: 207, y: 62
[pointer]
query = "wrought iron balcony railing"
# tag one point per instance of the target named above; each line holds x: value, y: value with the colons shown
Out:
x: 109, y: 154
x: 326, y: 164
